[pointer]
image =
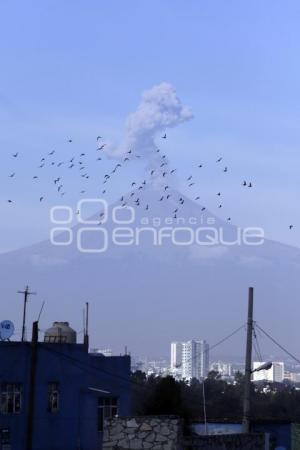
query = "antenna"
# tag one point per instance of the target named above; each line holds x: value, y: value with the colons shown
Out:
x: 83, y: 321
x: 86, y: 325
x: 26, y: 294
x: 41, y: 310
x: 87, y: 319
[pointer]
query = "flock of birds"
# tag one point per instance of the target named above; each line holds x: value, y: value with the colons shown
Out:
x: 161, y: 174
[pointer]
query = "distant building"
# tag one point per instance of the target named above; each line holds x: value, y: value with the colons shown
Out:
x: 223, y: 368
x: 176, y: 359
x: 275, y: 374
x: 57, y: 394
x: 294, y: 377
x: 103, y: 352
x: 190, y: 359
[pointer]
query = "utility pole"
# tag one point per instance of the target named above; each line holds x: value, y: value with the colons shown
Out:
x: 31, y: 394
x: 248, y: 365
x: 204, y: 406
x: 26, y: 294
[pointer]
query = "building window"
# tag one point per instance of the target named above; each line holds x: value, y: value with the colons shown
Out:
x: 53, y: 397
x: 5, y: 439
x: 11, y: 394
x: 107, y: 408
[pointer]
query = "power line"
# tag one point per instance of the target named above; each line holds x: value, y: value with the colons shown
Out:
x: 90, y: 368
x: 256, y: 345
x: 216, y: 344
x: 278, y: 345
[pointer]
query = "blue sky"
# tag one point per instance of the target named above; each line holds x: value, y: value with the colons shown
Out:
x: 78, y: 68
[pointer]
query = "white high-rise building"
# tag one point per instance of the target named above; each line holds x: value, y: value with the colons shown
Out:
x: 190, y: 359
x: 176, y: 359
x: 176, y: 355
x: 275, y: 374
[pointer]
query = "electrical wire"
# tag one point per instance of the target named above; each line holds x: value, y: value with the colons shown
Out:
x: 278, y: 344
x: 215, y: 345
x: 256, y: 345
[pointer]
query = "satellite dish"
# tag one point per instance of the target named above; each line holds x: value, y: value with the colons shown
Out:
x: 7, y: 329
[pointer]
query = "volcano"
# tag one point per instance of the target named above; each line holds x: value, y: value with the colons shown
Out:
x: 147, y: 290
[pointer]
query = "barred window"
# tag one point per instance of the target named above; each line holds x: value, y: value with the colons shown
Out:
x: 11, y: 398
x: 5, y: 443
x: 107, y: 408
x: 53, y: 396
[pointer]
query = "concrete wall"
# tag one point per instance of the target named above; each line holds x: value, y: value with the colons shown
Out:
x: 227, y: 442
x: 153, y: 433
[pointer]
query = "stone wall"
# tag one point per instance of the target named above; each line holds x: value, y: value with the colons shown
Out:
x: 165, y: 433
x: 153, y: 433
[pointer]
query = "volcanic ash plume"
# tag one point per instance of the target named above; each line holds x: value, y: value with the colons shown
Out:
x: 159, y: 110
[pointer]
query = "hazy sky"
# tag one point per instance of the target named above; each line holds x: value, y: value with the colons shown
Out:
x: 78, y: 68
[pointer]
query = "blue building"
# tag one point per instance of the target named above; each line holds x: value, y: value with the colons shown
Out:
x: 55, y: 395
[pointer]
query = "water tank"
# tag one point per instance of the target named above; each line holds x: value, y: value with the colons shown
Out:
x: 60, y: 333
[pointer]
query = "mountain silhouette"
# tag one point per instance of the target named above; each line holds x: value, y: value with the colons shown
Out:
x: 149, y: 293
